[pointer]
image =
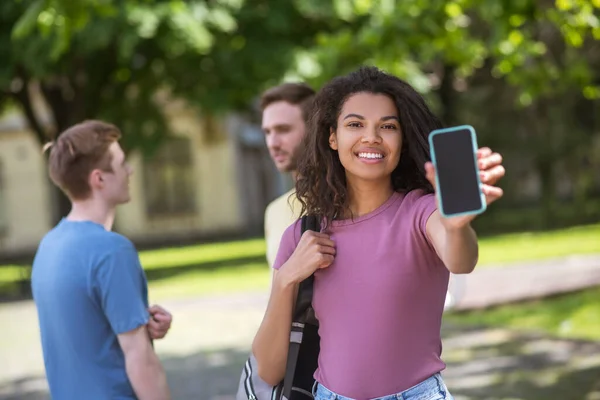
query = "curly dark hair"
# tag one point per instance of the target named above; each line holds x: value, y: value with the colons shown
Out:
x: 321, y: 184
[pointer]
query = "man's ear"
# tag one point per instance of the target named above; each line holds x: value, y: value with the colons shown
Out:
x: 332, y: 139
x: 95, y: 180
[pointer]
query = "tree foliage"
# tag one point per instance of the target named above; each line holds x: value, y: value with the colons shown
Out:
x: 526, y: 71
x: 540, y: 47
x: 109, y: 58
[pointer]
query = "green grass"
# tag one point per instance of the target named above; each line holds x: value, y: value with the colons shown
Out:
x: 245, y: 277
x: 193, y: 278
x: 496, y: 249
x: 539, y: 245
x: 256, y: 276
x: 12, y: 273
x: 200, y: 254
x: 206, y: 281
x: 11, y: 280
x: 574, y: 315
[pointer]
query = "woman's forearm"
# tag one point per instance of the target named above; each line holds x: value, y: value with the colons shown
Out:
x: 270, y: 345
x: 460, y: 250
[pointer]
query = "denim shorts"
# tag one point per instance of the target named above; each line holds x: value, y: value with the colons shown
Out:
x: 432, y: 388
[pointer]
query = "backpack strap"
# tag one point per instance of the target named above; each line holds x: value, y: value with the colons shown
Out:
x: 305, y: 289
x: 302, y: 315
x: 309, y: 223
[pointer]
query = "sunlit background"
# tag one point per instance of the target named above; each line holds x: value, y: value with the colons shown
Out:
x: 182, y: 79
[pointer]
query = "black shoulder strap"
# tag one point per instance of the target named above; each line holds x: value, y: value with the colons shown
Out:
x: 303, y: 315
x: 310, y: 223
x: 305, y: 289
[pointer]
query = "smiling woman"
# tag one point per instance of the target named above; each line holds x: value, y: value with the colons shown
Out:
x: 381, y: 262
x: 382, y: 119
x: 368, y: 145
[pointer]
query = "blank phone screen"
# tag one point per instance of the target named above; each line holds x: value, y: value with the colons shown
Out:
x: 458, y: 184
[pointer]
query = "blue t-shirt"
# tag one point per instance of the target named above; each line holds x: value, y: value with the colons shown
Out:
x: 88, y: 286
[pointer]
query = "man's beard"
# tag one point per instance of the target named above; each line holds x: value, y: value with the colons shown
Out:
x: 293, y: 163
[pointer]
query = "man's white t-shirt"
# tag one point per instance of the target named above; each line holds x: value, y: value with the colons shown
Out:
x: 280, y: 213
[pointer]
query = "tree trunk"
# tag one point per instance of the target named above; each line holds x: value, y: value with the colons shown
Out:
x: 544, y: 159
x: 65, y: 113
x: 447, y: 96
x: 23, y: 97
x: 61, y: 204
x: 548, y: 181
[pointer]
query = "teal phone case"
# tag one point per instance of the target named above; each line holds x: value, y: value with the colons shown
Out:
x: 433, y: 160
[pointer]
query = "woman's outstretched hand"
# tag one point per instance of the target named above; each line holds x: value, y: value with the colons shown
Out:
x: 490, y: 172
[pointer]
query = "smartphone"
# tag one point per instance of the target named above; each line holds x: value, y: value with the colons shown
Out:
x: 454, y: 155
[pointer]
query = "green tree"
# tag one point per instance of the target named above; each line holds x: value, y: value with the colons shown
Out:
x: 530, y: 69
x: 109, y: 58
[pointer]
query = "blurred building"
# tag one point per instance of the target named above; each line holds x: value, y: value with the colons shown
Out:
x: 213, y: 178
x: 25, y: 211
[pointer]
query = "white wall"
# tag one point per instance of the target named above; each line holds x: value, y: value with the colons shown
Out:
x: 217, y: 192
x: 27, y: 192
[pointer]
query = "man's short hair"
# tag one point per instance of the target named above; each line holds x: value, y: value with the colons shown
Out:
x: 298, y: 94
x: 77, y: 152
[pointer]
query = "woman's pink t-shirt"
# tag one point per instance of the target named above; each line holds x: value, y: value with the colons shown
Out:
x: 380, y: 303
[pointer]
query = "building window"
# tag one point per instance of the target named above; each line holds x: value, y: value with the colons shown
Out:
x: 169, y: 181
x: 3, y: 202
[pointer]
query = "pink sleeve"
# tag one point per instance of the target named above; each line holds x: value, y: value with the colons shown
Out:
x: 289, y: 241
x: 424, y: 205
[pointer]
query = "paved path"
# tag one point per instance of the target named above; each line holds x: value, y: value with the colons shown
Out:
x: 491, y: 286
x: 211, y: 337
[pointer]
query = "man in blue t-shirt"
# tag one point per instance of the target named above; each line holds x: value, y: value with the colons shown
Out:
x: 88, y: 285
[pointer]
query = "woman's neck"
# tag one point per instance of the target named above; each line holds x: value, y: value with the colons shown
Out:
x: 366, y: 197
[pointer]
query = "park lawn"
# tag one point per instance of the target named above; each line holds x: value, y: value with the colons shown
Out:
x: 202, y: 254
x: 241, y: 274
x: 241, y: 278
x: 194, y: 279
x: 509, y: 248
x: 10, y: 276
x: 573, y: 315
x: 11, y: 273
x: 195, y: 282
x: 236, y: 277
x: 495, y: 250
